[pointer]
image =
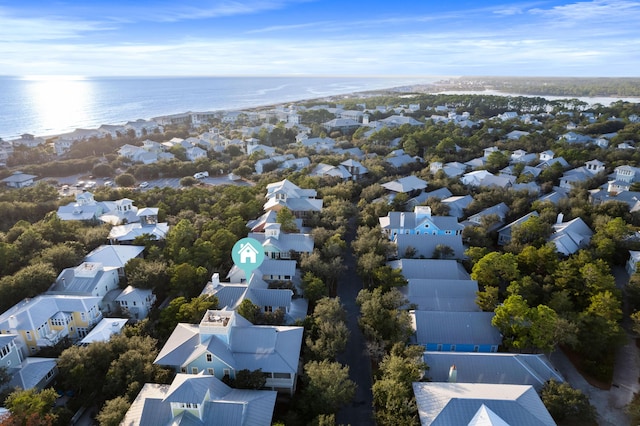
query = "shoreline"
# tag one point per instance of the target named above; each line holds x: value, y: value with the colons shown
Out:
x: 371, y: 92
x: 427, y: 88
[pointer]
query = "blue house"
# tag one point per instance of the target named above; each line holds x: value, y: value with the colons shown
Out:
x: 455, y: 331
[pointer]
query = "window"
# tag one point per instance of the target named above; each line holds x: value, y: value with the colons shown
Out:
x: 29, y: 336
x: 183, y: 369
x: 453, y: 348
x: 226, y: 372
x: 476, y: 348
x: 209, y: 358
x: 194, y: 370
x: 210, y: 371
x: 281, y: 375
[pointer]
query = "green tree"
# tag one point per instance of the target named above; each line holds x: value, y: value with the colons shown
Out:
x: 567, y: 404
x: 329, y: 333
x: 188, y: 181
x: 488, y: 298
x: 62, y: 255
x: 496, y: 270
x: 533, y: 232
x: 287, y: 220
x: 387, y: 278
x: 249, y: 311
x: 113, y: 411
x: 186, y: 279
x: 393, y: 397
x: 32, y: 404
x: 247, y: 379
x: 513, y: 320
x: 314, y: 288
x: 143, y: 273
x: 125, y: 180
x: 381, y: 320
x: 327, y: 387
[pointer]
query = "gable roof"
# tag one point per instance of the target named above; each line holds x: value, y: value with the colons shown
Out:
x: 442, y: 294
x: 497, y: 368
x: 114, y: 255
x: 222, y: 406
x: 470, y: 328
x: 459, y: 404
x: 405, y: 184
x: 271, y: 348
x: 571, y: 236
x: 30, y: 314
x: 430, y: 268
x: 425, y: 244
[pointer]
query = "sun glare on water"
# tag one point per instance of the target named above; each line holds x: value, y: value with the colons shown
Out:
x: 59, y: 102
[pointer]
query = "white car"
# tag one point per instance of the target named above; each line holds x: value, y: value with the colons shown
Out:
x: 201, y: 175
x: 144, y: 184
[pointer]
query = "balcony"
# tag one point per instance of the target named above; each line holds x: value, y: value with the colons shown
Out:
x: 53, y: 337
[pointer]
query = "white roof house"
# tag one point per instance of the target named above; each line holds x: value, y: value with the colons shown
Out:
x: 224, y: 343
x: 114, y: 256
x: 480, y: 404
x: 496, y: 368
x: 231, y: 294
x: 25, y: 373
x: 569, y: 237
x: 408, y: 184
x: 87, y: 279
x: 200, y: 400
x: 47, y: 319
x: 281, y: 245
x: 103, y: 331
x: 455, y: 331
x: 429, y: 294
x: 286, y: 194
x: 136, y: 302
x: 19, y: 180
x: 430, y: 268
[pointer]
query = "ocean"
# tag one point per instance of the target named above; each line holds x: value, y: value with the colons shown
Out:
x: 46, y: 106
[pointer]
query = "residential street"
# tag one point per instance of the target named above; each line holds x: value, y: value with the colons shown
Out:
x: 359, y: 412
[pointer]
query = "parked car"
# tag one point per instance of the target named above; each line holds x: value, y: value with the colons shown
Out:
x: 201, y: 175
x: 144, y: 184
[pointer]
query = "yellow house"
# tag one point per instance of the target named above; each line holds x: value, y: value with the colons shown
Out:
x: 47, y: 319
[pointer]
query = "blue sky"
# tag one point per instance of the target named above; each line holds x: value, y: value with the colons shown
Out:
x: 324, y: 37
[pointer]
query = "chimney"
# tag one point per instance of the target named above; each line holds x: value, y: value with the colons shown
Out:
x: 13, y: 323
x: 560, y: 218
x: 453, y: 374
x: 402, y: 220
x: 215, y: 280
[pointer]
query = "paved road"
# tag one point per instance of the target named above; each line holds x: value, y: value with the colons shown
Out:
x: 359, y: 412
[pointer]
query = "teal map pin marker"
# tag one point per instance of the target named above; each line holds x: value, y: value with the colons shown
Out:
x: 247, y: 254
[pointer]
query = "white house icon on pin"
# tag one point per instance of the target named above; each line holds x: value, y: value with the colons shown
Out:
x: 248, y: 253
